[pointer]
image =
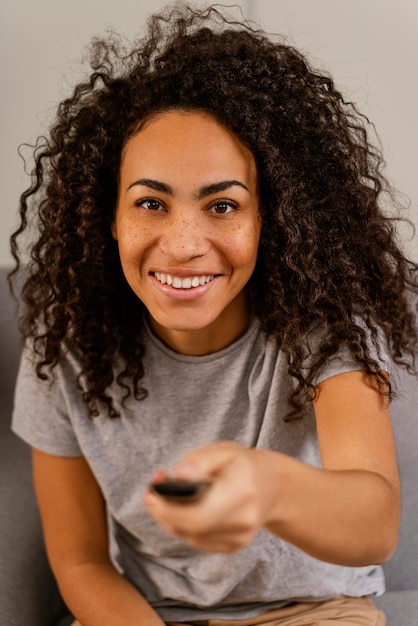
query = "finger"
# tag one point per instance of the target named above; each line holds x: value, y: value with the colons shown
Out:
x: 207, y: 461
x: 195, y: 531
x: 159, y: 476
x: 216, y: 513
x: 177, y: 519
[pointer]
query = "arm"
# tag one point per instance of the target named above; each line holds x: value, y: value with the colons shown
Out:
x: 74, y: 521
x: 346, y: 513
x: 354, y: 502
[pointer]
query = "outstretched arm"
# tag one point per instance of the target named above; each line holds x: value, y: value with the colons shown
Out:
x: 74, y: 522
x: 346, y: 513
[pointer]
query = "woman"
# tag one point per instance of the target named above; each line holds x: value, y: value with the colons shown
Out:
x: 214, y: 292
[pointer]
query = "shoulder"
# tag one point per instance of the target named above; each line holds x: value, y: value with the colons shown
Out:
x: 346, y: 357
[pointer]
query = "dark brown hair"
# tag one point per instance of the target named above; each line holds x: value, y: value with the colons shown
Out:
x: 328, y: 254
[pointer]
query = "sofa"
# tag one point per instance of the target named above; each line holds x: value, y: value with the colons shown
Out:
x: 28, y: 593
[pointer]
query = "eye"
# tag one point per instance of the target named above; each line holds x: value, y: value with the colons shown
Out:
x: 223, y: 207
x: 151, y: 204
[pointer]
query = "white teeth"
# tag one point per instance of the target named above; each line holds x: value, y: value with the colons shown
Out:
x: 183, y: 283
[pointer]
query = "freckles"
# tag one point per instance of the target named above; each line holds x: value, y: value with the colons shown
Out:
x: 244, y: 240
x: 134, y: 236
x: 131, y: 242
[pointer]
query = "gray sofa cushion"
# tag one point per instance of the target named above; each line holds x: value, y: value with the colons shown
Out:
x: 401, y: 607
x: 28, y: 593
x: 401, y: 571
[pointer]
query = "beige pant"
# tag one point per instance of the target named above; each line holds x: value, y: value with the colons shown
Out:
x: 342, y: 611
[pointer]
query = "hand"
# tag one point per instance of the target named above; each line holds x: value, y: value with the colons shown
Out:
x: 233, y: 509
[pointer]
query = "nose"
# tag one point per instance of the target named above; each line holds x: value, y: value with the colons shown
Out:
x: 184, y: 236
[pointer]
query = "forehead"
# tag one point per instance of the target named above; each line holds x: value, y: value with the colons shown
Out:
x: 189, y: 141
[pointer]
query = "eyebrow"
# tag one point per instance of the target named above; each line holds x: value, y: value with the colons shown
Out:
x: 205, y: 191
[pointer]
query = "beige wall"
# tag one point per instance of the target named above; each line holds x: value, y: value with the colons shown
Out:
x: 371, y: 47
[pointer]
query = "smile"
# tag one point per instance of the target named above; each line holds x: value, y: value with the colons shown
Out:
x: 183, y: 283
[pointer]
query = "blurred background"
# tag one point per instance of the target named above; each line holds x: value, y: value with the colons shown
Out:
x: 369, y: 46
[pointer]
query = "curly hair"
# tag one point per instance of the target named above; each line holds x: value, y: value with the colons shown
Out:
x: 328, y: 252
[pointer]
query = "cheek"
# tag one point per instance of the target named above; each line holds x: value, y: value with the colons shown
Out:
x: 245, y: 247
x: 132, y: 242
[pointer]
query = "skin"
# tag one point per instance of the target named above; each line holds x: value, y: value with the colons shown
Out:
x: 188, y: 208
x: 347, y: 512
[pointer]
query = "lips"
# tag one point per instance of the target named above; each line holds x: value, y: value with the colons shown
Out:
x: 187, y: 282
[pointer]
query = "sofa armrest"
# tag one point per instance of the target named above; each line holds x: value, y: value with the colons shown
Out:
x: 28, y: 593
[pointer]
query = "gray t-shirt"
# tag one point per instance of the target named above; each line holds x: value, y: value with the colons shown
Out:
x: 238, y: 394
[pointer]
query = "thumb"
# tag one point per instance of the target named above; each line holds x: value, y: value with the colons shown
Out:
x: 206, y: 462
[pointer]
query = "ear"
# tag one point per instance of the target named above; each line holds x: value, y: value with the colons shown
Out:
x: 113, y: 230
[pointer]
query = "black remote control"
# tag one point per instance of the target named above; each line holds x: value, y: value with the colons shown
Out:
x: 180, y: 490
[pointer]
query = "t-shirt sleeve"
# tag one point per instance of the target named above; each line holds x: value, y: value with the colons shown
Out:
x: 41, y: 411
x: 343, y: 362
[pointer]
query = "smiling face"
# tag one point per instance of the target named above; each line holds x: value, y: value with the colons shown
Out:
x: 188, y: 227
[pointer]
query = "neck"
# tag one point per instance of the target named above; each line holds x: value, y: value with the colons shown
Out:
x: 202, y: 341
